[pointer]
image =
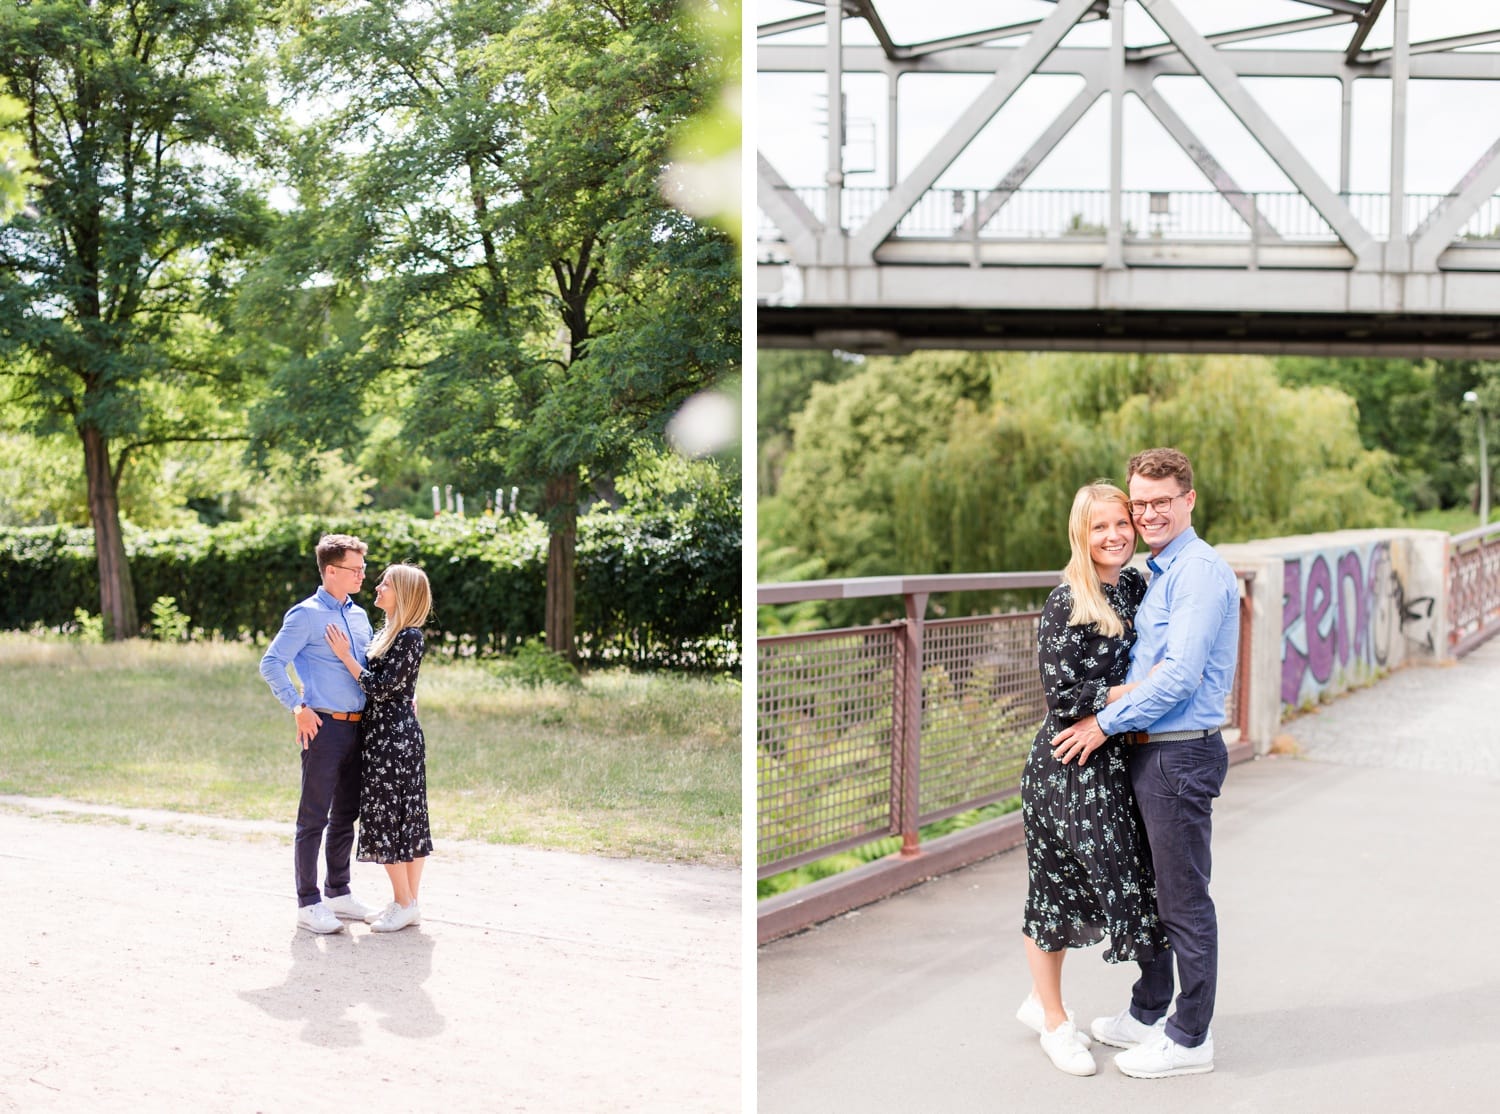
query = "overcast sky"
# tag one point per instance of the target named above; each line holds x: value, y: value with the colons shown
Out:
x: 1450, y: 123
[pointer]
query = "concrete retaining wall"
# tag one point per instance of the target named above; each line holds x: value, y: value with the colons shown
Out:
x: 1335, y: 611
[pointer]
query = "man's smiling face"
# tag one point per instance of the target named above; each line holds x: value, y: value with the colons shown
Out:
x: 1161, y: 509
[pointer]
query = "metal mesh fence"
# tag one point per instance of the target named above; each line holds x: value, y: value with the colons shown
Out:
x: 982, y: 702
x: 824, y: 742
x: 826, y: 730
x: 1473, y: 588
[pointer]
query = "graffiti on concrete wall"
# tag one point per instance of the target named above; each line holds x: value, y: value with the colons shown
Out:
x: 1342, y: 610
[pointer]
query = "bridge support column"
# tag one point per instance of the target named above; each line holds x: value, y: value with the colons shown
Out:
x: 1397, y: 247
x: 833, y: 224
x: 1114, y: 235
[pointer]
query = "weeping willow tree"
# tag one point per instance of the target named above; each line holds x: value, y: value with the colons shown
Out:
x: 968, y: 463
x: 986, y: 498
x: 1267, y: 459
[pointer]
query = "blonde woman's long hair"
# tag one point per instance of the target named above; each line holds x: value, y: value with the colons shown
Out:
x: 410, y: 606
x: 1089, y: 602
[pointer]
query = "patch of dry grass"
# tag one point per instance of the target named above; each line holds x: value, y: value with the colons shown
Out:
x: 629, y: 764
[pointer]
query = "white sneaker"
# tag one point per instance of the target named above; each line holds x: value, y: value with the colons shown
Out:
x: 1163, y: 1056
x: 1034, y: 1018
x: 347, y: 905
x: 376, y: 914
x: 1062, y: 1048
x: 396, y: 918
x: 318, y: 918
x: 1124, y: 1031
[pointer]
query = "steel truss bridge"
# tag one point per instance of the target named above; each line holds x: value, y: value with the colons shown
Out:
x: 1314, y: 269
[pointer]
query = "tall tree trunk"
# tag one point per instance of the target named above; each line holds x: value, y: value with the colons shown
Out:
x: 561, y: 507
x: 116, y: 592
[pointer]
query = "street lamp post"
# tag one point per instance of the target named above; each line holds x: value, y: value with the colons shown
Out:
x: 1484, y: 464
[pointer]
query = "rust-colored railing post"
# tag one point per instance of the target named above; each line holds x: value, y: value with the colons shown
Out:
x: 907, y: 725
x: 1242, y: 666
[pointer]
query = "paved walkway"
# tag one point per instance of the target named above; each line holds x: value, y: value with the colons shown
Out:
x: 1358, y: 898
x: 150, y: 962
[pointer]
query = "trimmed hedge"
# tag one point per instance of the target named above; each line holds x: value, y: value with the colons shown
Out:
x: 653, y: 590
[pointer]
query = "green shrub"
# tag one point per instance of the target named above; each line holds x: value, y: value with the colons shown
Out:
x: 167, y: 623
x: 656, y: 590
x: 86, y: 627
x: 533, y: 665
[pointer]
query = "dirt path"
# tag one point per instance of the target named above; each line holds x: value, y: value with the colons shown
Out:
x: 150, y: 961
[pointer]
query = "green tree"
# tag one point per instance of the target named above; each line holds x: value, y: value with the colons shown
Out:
x: 783, y: 381
x: 968, y: 463
x: 851, y: 440
x: 40, y: 481
x: 1407, y: 408
x: 1482, y: 377
x: 1273, y: 459
x: 489, y: 192
x: 137, y: 116
x: 704, y: 177
x: 781, y: 563
x: 15, y: 160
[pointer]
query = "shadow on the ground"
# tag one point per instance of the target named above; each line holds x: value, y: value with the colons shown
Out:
x: 331, y: 975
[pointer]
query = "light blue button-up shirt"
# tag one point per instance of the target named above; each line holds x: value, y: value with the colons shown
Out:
x: 302, y: 644
x: 1190, y: 623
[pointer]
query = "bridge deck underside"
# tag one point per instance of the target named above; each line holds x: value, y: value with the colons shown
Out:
x: 897, y: 329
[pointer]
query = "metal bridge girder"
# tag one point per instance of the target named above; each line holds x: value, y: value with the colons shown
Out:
x: 1334, y: 252
x: 990, y: 100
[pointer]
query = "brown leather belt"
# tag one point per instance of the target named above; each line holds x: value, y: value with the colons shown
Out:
x: 352, y: 717
x: 1138, y: 737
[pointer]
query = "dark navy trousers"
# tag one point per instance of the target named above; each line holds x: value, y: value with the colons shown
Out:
x: 1175, y: 785
x: 330, y: 800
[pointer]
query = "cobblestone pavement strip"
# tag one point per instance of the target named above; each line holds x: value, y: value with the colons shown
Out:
x: 151, y: 962
x: 1438, y: 718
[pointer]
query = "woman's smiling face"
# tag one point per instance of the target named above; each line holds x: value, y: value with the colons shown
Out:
x: 1111, y: 539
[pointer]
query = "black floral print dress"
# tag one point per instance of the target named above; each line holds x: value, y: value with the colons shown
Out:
x: 393, y: 787
x: 1086, y: 851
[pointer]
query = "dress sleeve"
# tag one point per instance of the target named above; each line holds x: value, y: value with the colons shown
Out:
x: 1061, y: 651
x: 396, y: 667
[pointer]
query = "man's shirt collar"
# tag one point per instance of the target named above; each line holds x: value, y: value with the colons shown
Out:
x: 327, y: 599
x: 1163, y: 560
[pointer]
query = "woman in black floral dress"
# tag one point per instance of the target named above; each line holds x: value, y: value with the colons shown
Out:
x: 1086, y: 852
x: 393, y: 827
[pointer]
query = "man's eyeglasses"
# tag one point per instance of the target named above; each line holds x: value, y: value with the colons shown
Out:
x: 359, y: 570
x: 1160, y: 506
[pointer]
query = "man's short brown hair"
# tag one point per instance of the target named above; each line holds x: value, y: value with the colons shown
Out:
x: 1158, y: 464
x: 333, y: 547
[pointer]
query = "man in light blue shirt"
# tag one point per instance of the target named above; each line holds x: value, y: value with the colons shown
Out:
x: 1181, y: 671
x: 327, y: 713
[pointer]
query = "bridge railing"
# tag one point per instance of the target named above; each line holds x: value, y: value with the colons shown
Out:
x: 1187, y: 215
x: 1473, y: 588
x: 876, y: 731
x: 872, y: 732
